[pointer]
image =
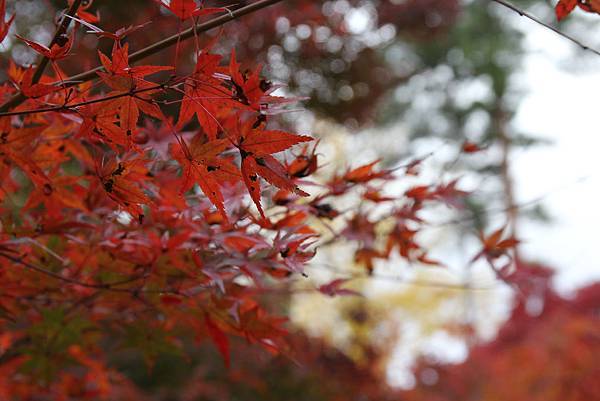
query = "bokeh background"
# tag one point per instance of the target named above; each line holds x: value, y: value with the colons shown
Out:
x: 397, y: 80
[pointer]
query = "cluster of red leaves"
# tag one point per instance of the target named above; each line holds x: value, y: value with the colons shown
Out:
x: 405, y: 213
x: 108, y: 245
x: 497, y: 251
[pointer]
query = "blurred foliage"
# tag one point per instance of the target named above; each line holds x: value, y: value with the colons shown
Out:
x: 546, y: 350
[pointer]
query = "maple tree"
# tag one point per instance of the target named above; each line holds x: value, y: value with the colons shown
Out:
x: 148, y: 201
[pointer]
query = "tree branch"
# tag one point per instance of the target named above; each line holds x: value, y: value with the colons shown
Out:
x: 67, y: 107
x: 535, y: 19
x: 99, y: 286
x: 62, y: 29
x: 154, y: 48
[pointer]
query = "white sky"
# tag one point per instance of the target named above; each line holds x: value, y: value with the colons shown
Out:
x: 561, y: 105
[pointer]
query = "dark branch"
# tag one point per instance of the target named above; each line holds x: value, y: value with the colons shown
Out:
x: 62, y: 29
x: 111, y: 286
x: 72, y: 107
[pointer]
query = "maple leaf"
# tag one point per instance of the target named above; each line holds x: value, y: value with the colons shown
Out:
x: 248, y: 88
x: 259, y: 327
x: 375, y: 196
x: 419, y: 193
x: 366, y: 173
x: 304, y: 164
x: 564, y: 8
x: 293, y: 246
x: 100, y: 122
x: 121, y: 182
x: 59, y: 50
x: 324, y: 210
x: 367, y: 257
x: 65, y: 191
x: 185, y: 9
x: 334, y: 288
x: 201, y: 164
x: 256, y: 148
x: 450, y: 195
x: 120, y: 76
x: 32, y: 90
x: 590, y: 6
x: 82, y: 12
x: 494, y: 246
x: 361, y: 229
x: 4, y: 25
x: 295, y: 221
x: 403, y: 238
x: 203, y: 95
x: 250, y: 91
x: 123, y: 78
x: 17, y: 145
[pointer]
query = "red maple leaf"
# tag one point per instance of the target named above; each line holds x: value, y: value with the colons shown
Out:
x: 366, y: 173
x: 335, y: 288
x: 100, y: 122
x: 564, y: 8
x: 203, y: 95
x: 494, y: 246
x: 16, y: 146
x: 256, y: 148
x: 122, y: 78
x: 31, y: 90
x: 304, y: 164
x: 471, y: 147
x: 59, y: 50
x: 121, y: 182
x: 201, y: 164
x: 119, y: 75
x: 185, y: 9
x: 250, y: 91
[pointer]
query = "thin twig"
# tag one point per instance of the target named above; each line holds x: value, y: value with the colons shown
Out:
x: 535, y: 19
x: 71, y: 107
x: 19, y: 98
x: 101, y: 286
x: 344, y: 274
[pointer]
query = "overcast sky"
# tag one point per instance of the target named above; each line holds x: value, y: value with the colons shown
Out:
x: 561, y: 104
